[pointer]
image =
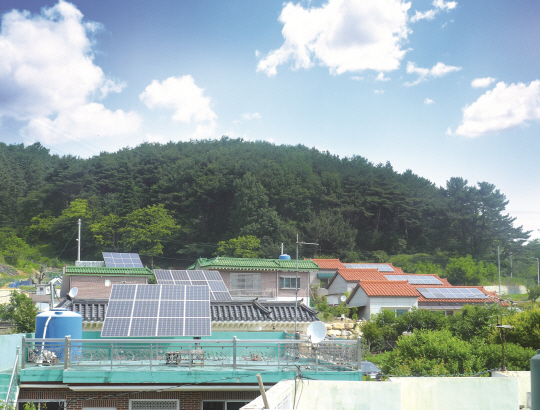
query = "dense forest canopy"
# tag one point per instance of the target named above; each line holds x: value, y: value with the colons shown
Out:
x: 188, y: 196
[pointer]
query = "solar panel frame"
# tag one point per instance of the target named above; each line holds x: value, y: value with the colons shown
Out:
x: 415, y: 279
x: 213, y: 279
x: 380, y: 268
x: 452, y: 293
x: 158, y: 311
x: 122, y: 260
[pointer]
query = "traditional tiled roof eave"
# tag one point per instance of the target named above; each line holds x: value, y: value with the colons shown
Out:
x: 105, y: 271
x: 224, y: 263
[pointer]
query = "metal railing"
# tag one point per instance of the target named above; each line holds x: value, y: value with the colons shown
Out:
x: 13, y: 391
x: 253, y: 293
x: 336, y: 355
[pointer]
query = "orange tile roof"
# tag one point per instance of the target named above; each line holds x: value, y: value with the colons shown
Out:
x: 398, y: 288
x: 329, y: 263
x: 444, y: 281
x: 356, y: 275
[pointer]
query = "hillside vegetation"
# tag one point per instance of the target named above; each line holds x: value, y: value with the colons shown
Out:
x: 173, y: 203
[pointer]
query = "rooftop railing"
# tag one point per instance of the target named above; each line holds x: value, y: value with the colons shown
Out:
x: 156, y: 354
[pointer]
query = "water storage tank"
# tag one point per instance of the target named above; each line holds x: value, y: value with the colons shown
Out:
x: 285, y: 257
x: 535, y: 381
x: 57, y: 324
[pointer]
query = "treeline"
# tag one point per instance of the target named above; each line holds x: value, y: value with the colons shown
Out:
x: 223, y: 189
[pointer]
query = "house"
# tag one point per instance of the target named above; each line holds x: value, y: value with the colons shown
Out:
x: 345, y: 280
x: 327, y: 270
x: 227, y: 316
x: 95, y: 282
x: 371, y: 296
x: 272, y: 279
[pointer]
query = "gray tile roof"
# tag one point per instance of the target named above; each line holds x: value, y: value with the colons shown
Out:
x: 93, y: 310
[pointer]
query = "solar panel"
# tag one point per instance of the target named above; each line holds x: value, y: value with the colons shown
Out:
x: 416, y: 279
x: 158, y: 311
x: 213, y: 279
x: 380, y: 268
x: 452, y: 293
x: 122, y: 260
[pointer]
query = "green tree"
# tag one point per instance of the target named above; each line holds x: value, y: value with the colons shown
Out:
x: 145, y: 230
x: 247, y: 246
x: 474, y: 322
x: 466, y: 271
x: 21, y: 311
x: 526, y: 329
x: 107, y: 231
x: 533, y: 293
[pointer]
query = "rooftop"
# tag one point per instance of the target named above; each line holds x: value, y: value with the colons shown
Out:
x: 92, y: 270
x: 329, y: 264
x: 254, y: 264
x: 388, y: 288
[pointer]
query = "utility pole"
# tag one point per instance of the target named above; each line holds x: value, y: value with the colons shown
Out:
x: 296, y: 284
x: 79, y: 244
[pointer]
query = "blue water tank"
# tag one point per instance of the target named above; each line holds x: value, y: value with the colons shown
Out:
x: 57, y: 324
x: 285, y: 257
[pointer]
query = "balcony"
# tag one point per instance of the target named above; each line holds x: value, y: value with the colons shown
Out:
x: 183, y: 361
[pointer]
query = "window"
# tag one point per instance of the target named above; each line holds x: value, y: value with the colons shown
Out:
x: 153, y: 405
x: 246, y: 281
x: 289, y: 283
x: 223, y: 405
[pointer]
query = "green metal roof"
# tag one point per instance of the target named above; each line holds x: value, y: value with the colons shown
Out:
x: 254, y: 264
x: 88, y: 270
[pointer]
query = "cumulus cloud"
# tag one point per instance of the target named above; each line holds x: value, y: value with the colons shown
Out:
x: 251, y: 116
x: 440, y: 5
x: 482, y: 82
x: 504, y: 107
x: 429, y: 101
x: 185, y: 99
x: 381, y: 77
x: 438, y: 70
x: 48, y: 77
x: 85, y: 122
x: 343, y: 35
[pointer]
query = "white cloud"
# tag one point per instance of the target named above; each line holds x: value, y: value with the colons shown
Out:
x: 504, y: 107
x: 48, y: 77
x: 482, y: 82
x: 186, y: 99
x: 357, y: 78
x: 379, y: 91
x: 85, y: 122
x: 161, y: 139
x: 381, y: 77
x: 343, y: 35
x: 438, y: 70
x: 251, y: 116
x: 429, y: 101
x: 430, y: 14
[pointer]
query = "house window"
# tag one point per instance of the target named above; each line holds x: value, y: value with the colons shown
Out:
x: 223, y: 405
x: 289, y: 283
x: 153, y: 404
x: 246, y: 281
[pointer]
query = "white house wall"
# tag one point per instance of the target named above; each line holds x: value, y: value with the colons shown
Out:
x: 376, y: 304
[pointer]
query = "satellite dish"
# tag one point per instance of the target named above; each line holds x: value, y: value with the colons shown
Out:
x: 343, y: 298
x: 73, y: 292
x: 317, y: 332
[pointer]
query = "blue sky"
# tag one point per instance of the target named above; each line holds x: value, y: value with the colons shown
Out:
x: 444, y: 88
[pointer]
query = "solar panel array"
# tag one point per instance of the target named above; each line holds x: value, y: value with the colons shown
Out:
x: 122, y: 260
x: 416, y: 279
x: 381, y: 268
x: 213, y: 279
x: 452, y: 293
x: 158, y: 311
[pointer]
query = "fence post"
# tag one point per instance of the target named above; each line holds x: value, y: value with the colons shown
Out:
x: 359, y: 353
x: 67, y: 352
x: 23, y: 354
x: 234, y: 353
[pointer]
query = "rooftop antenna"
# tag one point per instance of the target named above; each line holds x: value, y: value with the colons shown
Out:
x: 296, y: 284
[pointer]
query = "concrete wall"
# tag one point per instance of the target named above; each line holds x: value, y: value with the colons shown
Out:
x: 524, y: 380
x: 508, y: 290
x: 406, y: 393
x: 338, y: 286
x: 378, y: 304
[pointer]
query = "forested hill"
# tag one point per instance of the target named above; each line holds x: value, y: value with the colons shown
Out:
x: 222, y: 189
